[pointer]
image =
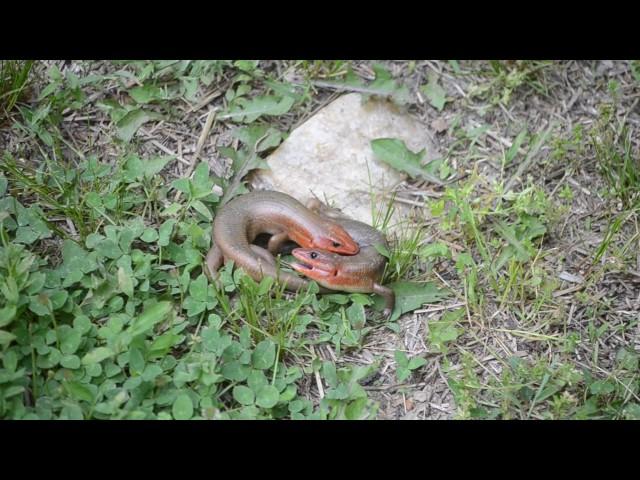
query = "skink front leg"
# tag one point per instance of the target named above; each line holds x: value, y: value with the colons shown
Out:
x: 389, y: 298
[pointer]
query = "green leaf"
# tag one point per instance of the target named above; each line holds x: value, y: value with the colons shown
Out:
x: 164, y: 233
x: 6, y: 337
x: 385, y: 85
x: 445, y: 331
x: 256, y: 380
x: 79, y: 391
x: 70, y: 341
x: 264, y: 355
x: 602, y: 387
x: 198, y: 288
x: 150, y: 235
x: 357, y: 410
x: 97, y: 355
x: 71, y: 362
x: 164, y: 342
x: 355, y: 314
x: 125, y: 282
x: 402, y: 373
x: 7, y: 314
x: 154, y: 166
x: 129, y: 124
x: 13, y: 391
x: 248, y: 111
x: 109, y: 249
x: 243, y: 395
x: 133, y: 168
x: 434, y: 93
x: 267, y: 397
x: 10, y: 360
x: 150, y: 317
x: 515, y: 146
x: 145, y: 93
x: 235, y: 371
x: 182, y: 407
x: 401, y: 358
x: 507, y: 232
x: 201, y: 208
x: 412, y: 295
x: 416, y: 362
x: 395, y: 153
x: 136, y: 360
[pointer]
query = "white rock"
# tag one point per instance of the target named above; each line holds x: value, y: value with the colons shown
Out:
x: 330, y: 156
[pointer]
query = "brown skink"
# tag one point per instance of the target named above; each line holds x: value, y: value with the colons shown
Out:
x: 239, y: 222
x: 357, y: 273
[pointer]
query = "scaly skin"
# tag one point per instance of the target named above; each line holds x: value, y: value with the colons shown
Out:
x: 358, y: 273
x: 240, y: 221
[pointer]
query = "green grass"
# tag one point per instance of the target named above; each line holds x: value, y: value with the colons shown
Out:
x: 504, y: 78
x: 14, y: 77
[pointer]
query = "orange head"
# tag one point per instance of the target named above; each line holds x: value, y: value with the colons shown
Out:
x: 331, y: 237
x: 323, y: 267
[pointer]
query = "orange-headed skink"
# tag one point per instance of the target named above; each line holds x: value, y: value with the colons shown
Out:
x: 357, y: 273
x: 239, y: 222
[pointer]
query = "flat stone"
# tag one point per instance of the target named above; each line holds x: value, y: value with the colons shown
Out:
x: 330, y: 156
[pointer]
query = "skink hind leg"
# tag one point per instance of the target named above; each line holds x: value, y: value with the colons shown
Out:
x: 264, y: 255
x: 277, y: 241
x: 389, y: 298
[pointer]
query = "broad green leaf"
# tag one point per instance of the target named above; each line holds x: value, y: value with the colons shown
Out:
x: 6, y: 337
x: 267, y: 397
x: 357, y: 410
x: 154, y: 165
x: 70, y: 341
x: 79, y: 391
x: 182, y: 407
x: 201, y: 208
x: 164, y: 342
x: 128, y: 125
x: 445, y: 331
x: 412, y: 295
x: 235, y: 371
x: 125, y: 282
x: 150, y: 235
x: 416, y: 362
x: 248, y: 111
x: 145, y: 93
x: 395, y: 153
x: 164, y: 233
x: 264, y: 355
x: 602, y: 387
x: 97, y: 355
x: 150, y: 317
x: 243, y: 395
x: 434, y: 93
x: 198, y: 288
x: 7, y: 314
x: 71, y: 362
x: 401, y: 358
x: 355, y: 314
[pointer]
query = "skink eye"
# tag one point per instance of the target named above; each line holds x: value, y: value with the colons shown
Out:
x: 336, y: 244
x: 313, y: 254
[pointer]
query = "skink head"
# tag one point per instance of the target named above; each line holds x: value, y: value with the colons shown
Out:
x: 323, y: 267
